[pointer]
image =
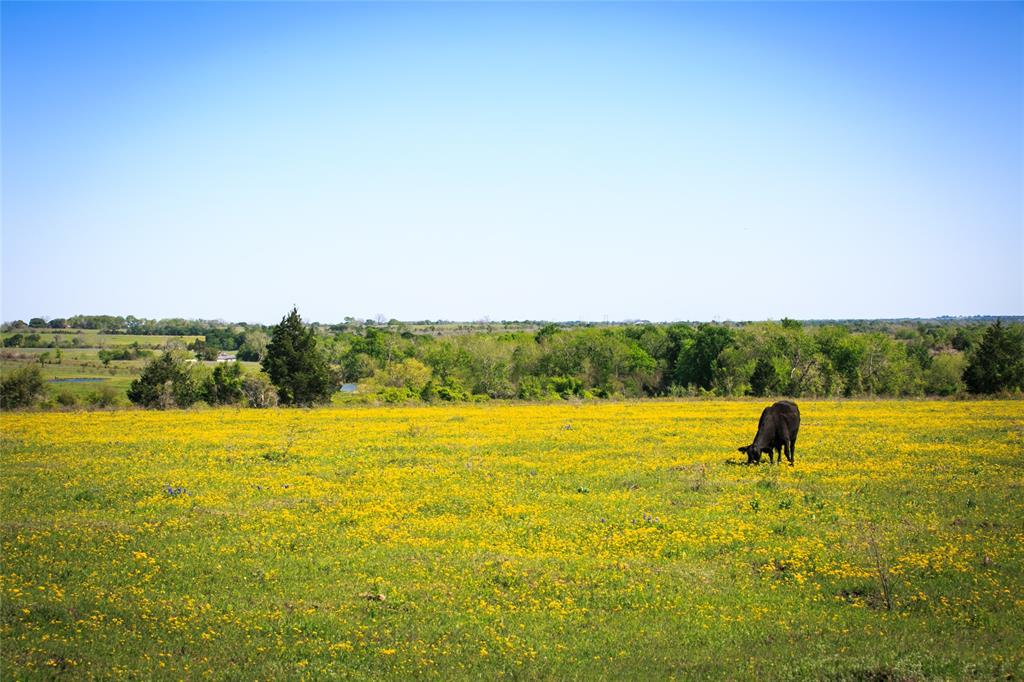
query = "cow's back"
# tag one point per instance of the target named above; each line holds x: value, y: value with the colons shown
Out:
x: 787, y: 412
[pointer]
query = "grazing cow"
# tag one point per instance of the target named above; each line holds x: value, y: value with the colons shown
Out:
x: 775, y: 432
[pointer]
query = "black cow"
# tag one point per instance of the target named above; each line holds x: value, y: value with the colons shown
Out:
x: 775, y: 432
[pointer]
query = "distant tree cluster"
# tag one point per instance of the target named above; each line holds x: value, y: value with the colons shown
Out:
x: 296, y: 373
x: 392, y: 364
x: 305, y: 364
x: 758, y: 359
x: 131, y: 352
x: 172, y: 380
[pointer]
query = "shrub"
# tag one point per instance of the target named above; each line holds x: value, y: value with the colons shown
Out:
x: 165, y: 382
x: 567, y: 387
x: 943, y: 377
x: 410, y: 374
x: 132, y: 352
x: 258, y: 390
x: 104, y: 396
x: 531, y: 388
x: 224, y: 385
x: 679, y: 391
x: 452, y: 390
x: 22, y: 388
x: 395, y: 394
x: 66, y: 399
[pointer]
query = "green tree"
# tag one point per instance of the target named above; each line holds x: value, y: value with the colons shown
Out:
x: 696, y: 363
x: 165, y: 382
x: 253, y: 346
x: 764, y: 380
x: 203, y: 350
x: 356, y: 366
x: 546, y: 332
x: 446, y: 358
x: 259, y: 391
x: 296, y: 365
x: 845, y: 353
x: 224, y: 385
x: 104, y: 396
x: 998, y: 362
x: 410, y: 374
x: 22, y: 387
x: 944, y: 376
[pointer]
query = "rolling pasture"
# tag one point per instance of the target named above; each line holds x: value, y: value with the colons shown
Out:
x: 568, y: 541
x: 92, y: 338
x: 80, y: 372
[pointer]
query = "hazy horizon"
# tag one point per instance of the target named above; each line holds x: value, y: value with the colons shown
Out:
x: 567, y: 321
x: 541, y: 161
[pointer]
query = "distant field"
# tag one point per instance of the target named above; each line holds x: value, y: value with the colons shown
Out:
x: 79, y: 363
x: 90, y: 338
x: 591, y: 541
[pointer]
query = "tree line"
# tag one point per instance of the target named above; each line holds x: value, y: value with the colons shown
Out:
x: 305, y: 364
x: 647, y: 360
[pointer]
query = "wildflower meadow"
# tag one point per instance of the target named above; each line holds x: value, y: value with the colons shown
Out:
x: 496, y: 541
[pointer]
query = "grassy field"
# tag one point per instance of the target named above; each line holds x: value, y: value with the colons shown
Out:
x: 76, y: 363
x: 84, y: 363
x: 92, y: 338
x: 591, y: 541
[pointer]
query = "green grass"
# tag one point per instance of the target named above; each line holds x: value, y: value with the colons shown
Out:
x: 592, y: 541
x: 91, y: 338
x: 77, y: 363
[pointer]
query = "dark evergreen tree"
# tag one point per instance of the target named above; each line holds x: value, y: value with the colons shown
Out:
x: 998, y: 362
x: 296, y: 366
x: 764, y: 380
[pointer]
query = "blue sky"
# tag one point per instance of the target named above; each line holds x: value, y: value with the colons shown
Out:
x: 657, y: 161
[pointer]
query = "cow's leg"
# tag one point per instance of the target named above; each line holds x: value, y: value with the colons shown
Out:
x: 787, y: 444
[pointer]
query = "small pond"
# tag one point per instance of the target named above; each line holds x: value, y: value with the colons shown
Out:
x: 76, y: 380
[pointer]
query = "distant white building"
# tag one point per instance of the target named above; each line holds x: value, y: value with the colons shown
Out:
x: 226, y: 357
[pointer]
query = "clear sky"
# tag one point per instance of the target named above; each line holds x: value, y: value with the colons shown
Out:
x: 663, y: 161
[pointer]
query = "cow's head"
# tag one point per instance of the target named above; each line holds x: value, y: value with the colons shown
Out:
x: 753, y: 454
